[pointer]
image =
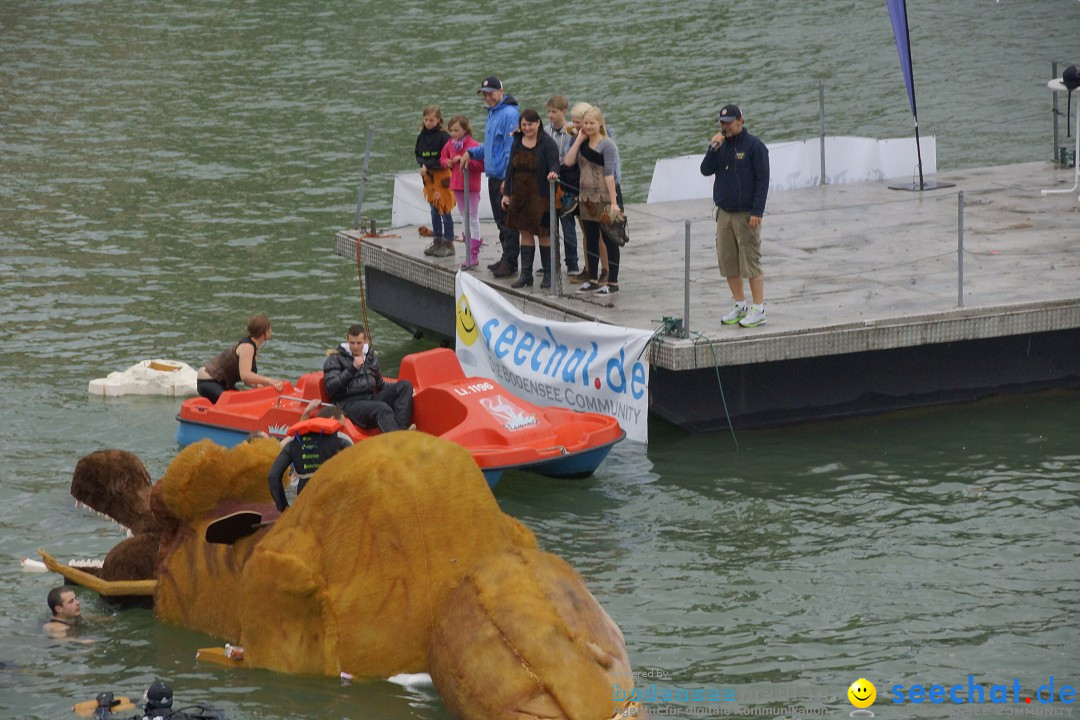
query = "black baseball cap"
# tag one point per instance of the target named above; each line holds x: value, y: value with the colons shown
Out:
x: 729, y: 113
x: 490, y: 84
x: 159, y: 695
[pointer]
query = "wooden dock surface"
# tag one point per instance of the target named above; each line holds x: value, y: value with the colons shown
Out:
x: 849, y: 268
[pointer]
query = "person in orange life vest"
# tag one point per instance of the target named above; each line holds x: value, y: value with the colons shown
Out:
x: 309, y: 444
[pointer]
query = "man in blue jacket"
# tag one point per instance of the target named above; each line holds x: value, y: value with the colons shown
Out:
x: 739, y: 163
x: 502, y: 121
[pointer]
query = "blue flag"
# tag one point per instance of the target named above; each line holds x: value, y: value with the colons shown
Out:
x: 898, y: 15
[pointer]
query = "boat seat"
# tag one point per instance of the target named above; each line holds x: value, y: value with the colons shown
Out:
x: 431, y: 367
x: 312, y: 386
x: 246, y: 397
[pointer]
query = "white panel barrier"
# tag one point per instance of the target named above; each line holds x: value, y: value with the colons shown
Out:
x: 797, y: 164
x: 792, y: 165
x: 410, y: 208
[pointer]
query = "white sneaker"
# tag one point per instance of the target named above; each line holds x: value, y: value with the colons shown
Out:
x: 736, y: 314
x: 754, y: 316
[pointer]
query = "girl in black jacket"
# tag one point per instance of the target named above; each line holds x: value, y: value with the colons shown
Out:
x: 429, y: 145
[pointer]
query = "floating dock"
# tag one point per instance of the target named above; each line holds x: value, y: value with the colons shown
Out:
x: 865, y: 310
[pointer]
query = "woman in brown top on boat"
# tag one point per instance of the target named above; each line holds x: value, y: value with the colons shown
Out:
x: 534, y: 159
x: 237, y: 363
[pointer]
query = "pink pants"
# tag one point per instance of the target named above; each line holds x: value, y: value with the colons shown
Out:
x: 473, y: 229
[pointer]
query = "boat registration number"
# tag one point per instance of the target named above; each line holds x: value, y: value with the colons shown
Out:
x: 474, y: 388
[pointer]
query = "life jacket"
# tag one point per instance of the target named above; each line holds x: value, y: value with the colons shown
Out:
x: 313, y: 443
x: 319, y: 425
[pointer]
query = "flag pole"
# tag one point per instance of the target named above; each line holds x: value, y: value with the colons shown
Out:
x: 914, y: 109
x: 910, y: 79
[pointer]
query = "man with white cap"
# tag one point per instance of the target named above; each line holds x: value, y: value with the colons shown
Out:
x: 739, y: 163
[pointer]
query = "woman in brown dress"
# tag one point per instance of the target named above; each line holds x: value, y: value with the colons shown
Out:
x: 534, y: 159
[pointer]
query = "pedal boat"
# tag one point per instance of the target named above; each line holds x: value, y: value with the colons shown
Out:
x: 503, y: 432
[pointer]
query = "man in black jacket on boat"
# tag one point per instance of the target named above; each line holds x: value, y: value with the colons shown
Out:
x: 356, y: 385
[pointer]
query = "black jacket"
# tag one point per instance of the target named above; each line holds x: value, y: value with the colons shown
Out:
x: 429, y: 145
x: 741, y: 167
x: 306, y: 453
x: 343, y: 381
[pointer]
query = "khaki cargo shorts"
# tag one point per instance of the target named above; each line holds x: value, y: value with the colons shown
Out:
x: 738, y: 246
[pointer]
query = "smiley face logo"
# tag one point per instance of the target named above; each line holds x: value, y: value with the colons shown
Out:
x: 862, y: 693
x: 466, y: 324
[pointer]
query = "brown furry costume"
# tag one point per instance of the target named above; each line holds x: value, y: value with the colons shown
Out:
x: 437, y: 190
x: 397, y: 558
x: 115, y: 483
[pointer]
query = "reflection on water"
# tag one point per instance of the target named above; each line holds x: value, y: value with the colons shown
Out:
x: 171, y: 168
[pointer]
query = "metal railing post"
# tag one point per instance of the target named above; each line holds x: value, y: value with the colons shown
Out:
x: 1054, y: 112
x: 686, y: 283
x: 821, y: 126
x: 363, y: 176
x: 960, y: 249
x: 553, y: 239
x: 465, y: 218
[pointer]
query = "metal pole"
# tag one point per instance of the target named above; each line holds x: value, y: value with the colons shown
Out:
x: 465, y: 218
x: 960, y: 249
x: 1054, y: 110
x: 686, y: 283
x: 821, y: 125
x: 553, y: 242
x: 363, y: 175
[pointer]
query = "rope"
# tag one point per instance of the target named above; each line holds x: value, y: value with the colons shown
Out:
x: 669, y: 327
x: 567, y: 186
x: 723, y: 400
x: 360, y: 277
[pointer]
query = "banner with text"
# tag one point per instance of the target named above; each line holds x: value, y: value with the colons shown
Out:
x: 585, y: 366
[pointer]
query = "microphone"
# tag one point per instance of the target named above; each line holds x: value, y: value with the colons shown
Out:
x: 716, y: 146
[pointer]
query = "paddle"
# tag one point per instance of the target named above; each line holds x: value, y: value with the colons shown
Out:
x: 103, y: 706
x: 233, y: 527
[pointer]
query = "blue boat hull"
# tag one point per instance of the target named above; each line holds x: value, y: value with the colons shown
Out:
x: 575, y: 466
x: 190, y: 432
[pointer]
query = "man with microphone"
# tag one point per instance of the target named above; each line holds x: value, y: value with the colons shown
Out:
x: 739, y: 163
x: 355, y: 383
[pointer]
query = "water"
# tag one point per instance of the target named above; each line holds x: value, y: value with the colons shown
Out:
x: 168, y: 169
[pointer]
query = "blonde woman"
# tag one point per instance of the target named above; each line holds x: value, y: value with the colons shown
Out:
x: 572, y: 176
x: 596, y: 156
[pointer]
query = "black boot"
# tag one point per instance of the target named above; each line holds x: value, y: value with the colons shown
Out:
x: 526, y: 276
x: 511, y: 241
x: 545, y: 262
